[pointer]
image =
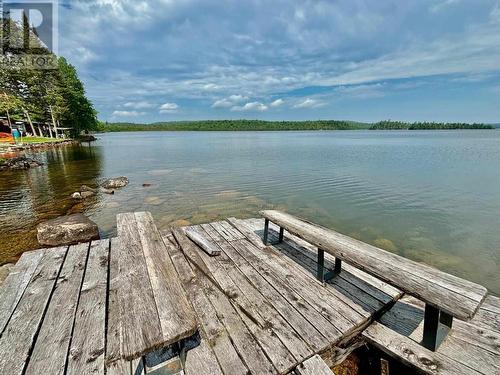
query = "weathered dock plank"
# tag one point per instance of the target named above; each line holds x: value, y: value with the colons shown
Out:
x: 212, y: 330
x: 135, y: 305
x: 50, y: 353
x: 18, y: 338
x: 176, y: 315
x: 86, y: 354
x: 15, y: 284
x: 314, y: 366
x: 259, y: 325
x: 265, y: 311
x: 412, y: 353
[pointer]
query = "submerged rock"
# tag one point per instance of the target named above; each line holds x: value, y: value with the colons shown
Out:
x: 66, y: 230
x: 19, y: 163
x: 114, y: 183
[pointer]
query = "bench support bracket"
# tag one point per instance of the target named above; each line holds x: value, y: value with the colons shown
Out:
x: 266, y: 230
x: 282, y: 232
x: 432, y: 317
x: 321, y: 266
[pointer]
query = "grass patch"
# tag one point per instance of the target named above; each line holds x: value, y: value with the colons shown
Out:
x: 30, y: 140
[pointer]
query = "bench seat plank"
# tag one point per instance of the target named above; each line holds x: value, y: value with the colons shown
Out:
x: 455, y: 296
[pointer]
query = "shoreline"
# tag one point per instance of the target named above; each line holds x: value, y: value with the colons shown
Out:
x: 8, y: 148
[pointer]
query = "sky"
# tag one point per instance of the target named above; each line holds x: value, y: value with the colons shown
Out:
x: 363, y: 60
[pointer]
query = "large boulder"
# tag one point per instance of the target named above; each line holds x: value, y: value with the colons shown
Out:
x: 114, y: 183
x: 66, y: 230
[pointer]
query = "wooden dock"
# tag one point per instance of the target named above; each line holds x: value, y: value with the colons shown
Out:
x: 133, y: 303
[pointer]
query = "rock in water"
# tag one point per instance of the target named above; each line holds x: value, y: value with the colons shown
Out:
x: 19, y: 163
x: 113, y: 183
x: 66, y: 230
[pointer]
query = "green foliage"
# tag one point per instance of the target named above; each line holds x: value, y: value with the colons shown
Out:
x: 399, y: 125
x: 46, y: 92
x: 234, y: 125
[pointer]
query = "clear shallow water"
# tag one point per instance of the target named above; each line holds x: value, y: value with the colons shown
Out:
x: 433, y: 196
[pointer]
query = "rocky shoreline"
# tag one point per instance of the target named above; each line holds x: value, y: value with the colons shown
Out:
x: 9, y: 148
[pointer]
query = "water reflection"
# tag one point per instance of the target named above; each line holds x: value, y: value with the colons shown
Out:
x: 30, y: 197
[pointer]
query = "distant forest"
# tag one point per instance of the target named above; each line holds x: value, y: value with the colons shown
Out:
x: 235, y: 125
x: 398, y: 125
x: 259, y: 125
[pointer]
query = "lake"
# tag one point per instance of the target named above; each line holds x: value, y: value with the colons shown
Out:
x: 432, y: 196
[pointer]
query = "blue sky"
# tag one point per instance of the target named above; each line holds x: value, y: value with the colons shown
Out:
x: 165, y: 60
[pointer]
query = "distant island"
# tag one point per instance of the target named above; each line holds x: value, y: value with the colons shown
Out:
x: 260, y: 125
x: 399, y: 125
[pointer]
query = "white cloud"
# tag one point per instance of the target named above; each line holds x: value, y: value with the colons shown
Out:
x: 229, y: 101
x: 309, y: 103
x: 277, y: 103
x: 210, y: 87
x: 138, y: 105
x: 441, y: 5
x: 168, y: 108
x: 252, y: 106
x: 127, y: 113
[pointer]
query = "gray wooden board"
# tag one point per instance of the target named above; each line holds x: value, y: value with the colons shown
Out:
x: 379, y: 289
x: 458, y: 297
x: 51, y: 348
x: 329, y: 311
x: 249, y: 304
x: 365, y: 288
x: 176, y: 315
x: 199, y: 240
x: 135, y: 306
x: 14, y: 285
x: 473, y: 346
x: 86, y: 354
x: 264, y: 309
x: 17, y: 339
x: 113, y: 334
x: 313, y: 366
x: 315, y: 308
x: 412, y: 353
x: 212, y: 330
x: 364, y: 297
x: 303, y: 330
x: 342, y: 307
x: 245, y: 343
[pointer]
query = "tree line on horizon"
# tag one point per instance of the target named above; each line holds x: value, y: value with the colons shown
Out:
x: 234, y: 125
x: 400, y: 125
x: 53, y: 96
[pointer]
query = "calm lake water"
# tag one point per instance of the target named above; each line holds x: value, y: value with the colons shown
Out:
x: 433, y: 196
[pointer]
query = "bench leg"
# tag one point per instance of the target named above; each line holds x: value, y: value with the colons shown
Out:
x: 446, y: 319
x: 336, y: 270
x: 321, y: 264
x: 431, y: 324
x: 266, y: 230
x: 282, y: 232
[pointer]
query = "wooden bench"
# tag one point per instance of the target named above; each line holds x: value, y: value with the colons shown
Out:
x: 446, y: 296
